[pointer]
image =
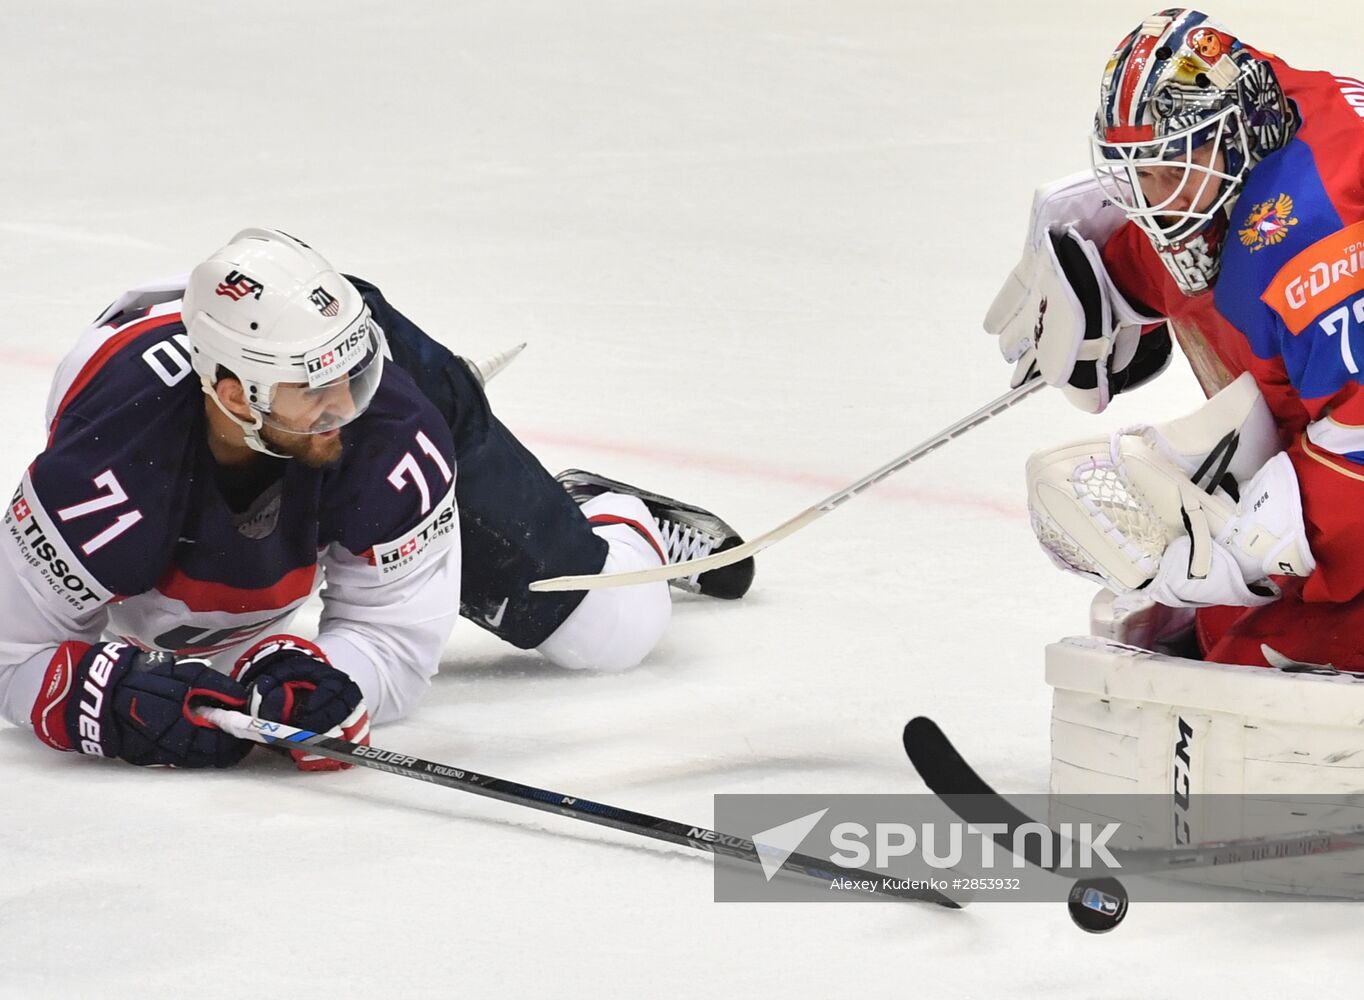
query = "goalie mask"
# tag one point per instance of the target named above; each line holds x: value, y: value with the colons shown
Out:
x: 1185, y: 111
x: 272, y: 313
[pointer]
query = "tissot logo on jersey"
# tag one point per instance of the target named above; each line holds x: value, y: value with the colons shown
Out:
x: 237, y: 286
x: 45, y: 551
x: 398, y: 558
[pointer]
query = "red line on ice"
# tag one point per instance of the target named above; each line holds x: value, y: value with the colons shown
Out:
x: 739, y: 468
x: 743, y: 468
x: 29, y: 360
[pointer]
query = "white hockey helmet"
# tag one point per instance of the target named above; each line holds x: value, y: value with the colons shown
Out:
x: 298, y: 336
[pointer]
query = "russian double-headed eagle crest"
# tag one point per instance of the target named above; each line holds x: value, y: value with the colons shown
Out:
x: 1268, y: 223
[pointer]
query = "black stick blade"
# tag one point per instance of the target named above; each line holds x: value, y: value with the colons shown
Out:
x: 943, y: 770
x: 961, y: 789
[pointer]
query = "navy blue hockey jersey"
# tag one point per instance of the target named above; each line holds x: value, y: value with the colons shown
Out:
x: 122, y: 525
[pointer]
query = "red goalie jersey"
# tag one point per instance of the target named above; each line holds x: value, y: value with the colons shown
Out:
x: 1288, y: 307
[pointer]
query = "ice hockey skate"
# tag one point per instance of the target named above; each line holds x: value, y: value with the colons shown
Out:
x: 689, y: 532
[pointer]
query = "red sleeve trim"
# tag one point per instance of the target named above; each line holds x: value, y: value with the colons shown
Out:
x: 49, y: 711
x: 97, y: 360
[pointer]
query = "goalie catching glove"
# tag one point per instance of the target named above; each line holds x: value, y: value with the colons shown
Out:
x: 1060, y: 317
x: 290, y: 680
x: 1193, y: 513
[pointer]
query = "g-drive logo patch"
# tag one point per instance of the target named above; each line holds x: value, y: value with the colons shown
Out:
x: 397, y: 558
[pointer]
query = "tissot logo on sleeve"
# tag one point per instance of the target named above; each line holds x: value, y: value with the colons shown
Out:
x: 47, y: 554
x: 394, y: 560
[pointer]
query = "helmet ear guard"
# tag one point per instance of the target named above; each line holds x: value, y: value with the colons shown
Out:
x: 250, y: 428
x: 1270, y: 116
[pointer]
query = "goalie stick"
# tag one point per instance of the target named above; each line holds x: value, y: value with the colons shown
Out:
x: 692, y: 567
x: 962, y: 790
x: 248, y: 727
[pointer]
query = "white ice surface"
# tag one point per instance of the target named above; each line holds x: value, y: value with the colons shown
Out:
x: 750, y: 244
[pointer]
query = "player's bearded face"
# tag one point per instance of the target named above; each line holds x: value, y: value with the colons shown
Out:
x: 305, y: 423
x: 316, y: 450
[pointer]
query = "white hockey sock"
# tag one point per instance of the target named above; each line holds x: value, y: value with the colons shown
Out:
x: 613, y: 629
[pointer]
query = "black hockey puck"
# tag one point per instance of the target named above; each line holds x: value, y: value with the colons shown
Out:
x: 1097, y: 905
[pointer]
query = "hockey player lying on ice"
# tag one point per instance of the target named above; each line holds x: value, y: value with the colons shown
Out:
x: 1226, y: 204
x: 221, y: 446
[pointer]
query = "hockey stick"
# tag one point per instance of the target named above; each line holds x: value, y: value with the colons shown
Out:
x: 247, y: 727
x: 691, y: 567
x: 962, y: 790
x: 487, y: 369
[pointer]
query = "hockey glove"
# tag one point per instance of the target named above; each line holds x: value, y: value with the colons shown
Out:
x: 1060, y: 317
x: 114, y: 700
x: 1194, y: 512
x: 1231, y: 564
x: 289, y: 680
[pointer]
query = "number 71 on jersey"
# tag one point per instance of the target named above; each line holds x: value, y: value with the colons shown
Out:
x: 1337, y: 321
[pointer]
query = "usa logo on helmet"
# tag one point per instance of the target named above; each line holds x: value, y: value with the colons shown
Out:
x: 237, y: 286
x: 326, y: 304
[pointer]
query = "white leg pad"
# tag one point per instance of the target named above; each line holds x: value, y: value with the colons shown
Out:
x: 1127, y: 721
x: 614, y: 628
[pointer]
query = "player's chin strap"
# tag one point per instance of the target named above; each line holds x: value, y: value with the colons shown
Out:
x: 250, y: 430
